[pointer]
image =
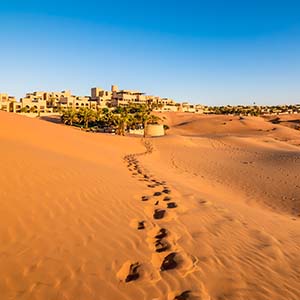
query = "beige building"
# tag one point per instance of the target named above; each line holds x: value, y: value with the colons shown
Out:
x: 49, y: 102
x: 6, y: 102
x: 117, y: 97
x: 75, y: 102
x: 200, y: 109
x: 167, y: 108
x: 34, y: 102
x: 187, y: 107
x: 126, y: 97
x: 100, y: 97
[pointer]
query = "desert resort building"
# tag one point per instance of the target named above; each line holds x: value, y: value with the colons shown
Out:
x: 52, y: 102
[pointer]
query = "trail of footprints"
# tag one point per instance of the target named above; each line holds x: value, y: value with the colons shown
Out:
x: 160, y: 199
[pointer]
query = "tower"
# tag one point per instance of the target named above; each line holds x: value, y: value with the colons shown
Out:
x: 114, y: 88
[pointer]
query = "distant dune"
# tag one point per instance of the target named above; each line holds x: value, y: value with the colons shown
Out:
x: 210, y: 211
x: 288, y: 120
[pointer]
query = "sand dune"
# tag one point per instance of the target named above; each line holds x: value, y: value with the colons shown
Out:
x: 288, y: 120
x: 210, y: 211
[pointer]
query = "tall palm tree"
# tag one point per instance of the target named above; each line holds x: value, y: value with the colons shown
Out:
x: 86, y: 115
x: 144, y: 116
x: 107, y: 119
x: 98, y: 114
x: 153, y: 119
x: 69, y: 116
x: 120, y: 121
x: 132, y: 121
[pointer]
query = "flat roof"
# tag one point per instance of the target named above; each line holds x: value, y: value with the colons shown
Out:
x: 131, y: 92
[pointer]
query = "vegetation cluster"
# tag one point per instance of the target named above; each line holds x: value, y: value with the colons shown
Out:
x: 252, y: 110
x: 119, y: 120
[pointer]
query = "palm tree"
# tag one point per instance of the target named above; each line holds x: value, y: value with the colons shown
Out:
x: 69, y: 116
x: 98, y: 115
x: 25, y: 109
x: 107, y: 119
x: 143, y: 115
x: 132, y: 121
x: 153, y: 119
x: 86, y: 115
x: 105, y: 110
x: 120, y: 121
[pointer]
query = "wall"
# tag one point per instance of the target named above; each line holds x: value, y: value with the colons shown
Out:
x: 155, y: 130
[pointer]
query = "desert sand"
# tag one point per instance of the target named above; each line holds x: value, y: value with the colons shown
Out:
x: 210, y: 211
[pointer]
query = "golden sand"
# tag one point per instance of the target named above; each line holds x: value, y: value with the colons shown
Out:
x: 71, y: 206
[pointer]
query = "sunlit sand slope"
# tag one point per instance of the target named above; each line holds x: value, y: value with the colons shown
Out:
x: 210, y: 211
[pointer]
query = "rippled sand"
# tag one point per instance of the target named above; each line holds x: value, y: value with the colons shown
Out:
x: 210, y: 211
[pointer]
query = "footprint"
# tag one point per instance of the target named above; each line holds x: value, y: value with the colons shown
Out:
x: 156, y: 203
x: 161, y: 246
x: 167, y: 198
x: 156, y: 194
x: 169, y: 262
x: 171, y: 205
x: 159, y: 214
x: 141, y: 225
x: 183, y: 296
x: 145, y: 198
x: 166, y: 191
x: 133, y: 272
x: 161, y: 234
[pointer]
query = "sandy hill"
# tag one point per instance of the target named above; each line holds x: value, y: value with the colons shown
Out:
x: 288, y: 120
x: 211, y: 211
x: 216, y: 125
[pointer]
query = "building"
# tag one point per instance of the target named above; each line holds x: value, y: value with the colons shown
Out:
x: 187, y: 107
x: 101, y: 97
x: 126, y: 97
x: 199, y: 109
x: 51, y: 102
x: 34, y: 102
x: 76, y: 102
x: 7, y: 102
x: 48, y: 102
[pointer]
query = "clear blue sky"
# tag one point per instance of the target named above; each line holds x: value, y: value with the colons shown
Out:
x: 213, y: 52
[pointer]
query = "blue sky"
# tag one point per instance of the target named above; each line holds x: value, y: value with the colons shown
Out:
x: 212, y: 52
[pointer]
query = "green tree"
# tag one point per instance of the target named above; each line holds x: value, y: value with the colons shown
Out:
x: 25, y: 109
x: 105, y: 110
x: 86, y: 116
x: 153, y: 119
x: 120, y: 122
x: 98, y: 115
x: 107, y: 119
x: 69, y: 116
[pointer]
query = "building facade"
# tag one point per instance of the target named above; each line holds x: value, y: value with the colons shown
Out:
x: 49, y: 102
x: 7, y: 102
